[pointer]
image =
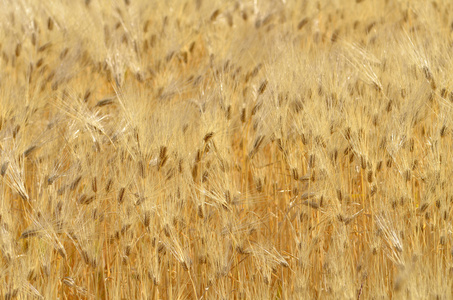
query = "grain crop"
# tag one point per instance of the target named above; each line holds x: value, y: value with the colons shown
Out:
x: 237, y: 149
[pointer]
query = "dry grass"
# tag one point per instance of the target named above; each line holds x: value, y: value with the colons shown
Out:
x: 226, y: 149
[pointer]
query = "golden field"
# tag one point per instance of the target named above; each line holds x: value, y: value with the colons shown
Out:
x: 226, y: 149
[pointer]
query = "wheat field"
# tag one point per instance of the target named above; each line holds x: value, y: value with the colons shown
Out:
x: 243, y: 149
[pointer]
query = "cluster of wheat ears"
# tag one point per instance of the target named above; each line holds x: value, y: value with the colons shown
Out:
x: 242, y: 149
